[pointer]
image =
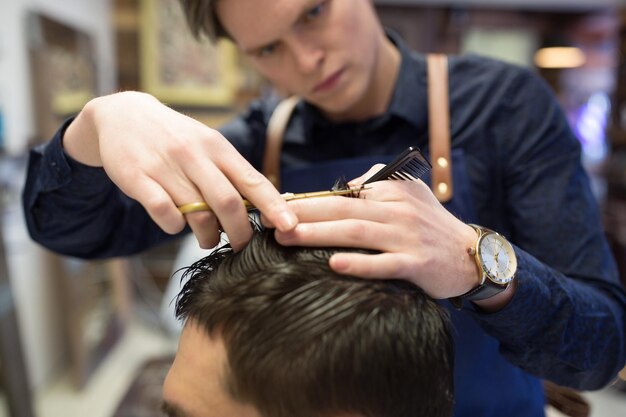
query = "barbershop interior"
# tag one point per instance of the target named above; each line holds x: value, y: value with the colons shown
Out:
x: 97, y: 337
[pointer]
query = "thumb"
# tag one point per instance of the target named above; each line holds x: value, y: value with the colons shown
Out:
x: 360, y: 180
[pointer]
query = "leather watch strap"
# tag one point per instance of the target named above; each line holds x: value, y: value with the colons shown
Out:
x: 487, y: 290
x: 439, y: 126
x: 274, y: 141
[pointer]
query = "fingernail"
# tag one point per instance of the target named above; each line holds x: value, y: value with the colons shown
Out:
x: 284, y: 238
x: 287, y: 221
x: 338, y: 263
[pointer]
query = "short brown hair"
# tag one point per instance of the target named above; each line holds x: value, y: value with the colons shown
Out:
x: 304, y: 341
x: 202, y: 19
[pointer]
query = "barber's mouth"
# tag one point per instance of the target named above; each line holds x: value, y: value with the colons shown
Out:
x: 329, y: 83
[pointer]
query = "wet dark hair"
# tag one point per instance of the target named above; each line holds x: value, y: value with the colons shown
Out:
x: 303, y: 341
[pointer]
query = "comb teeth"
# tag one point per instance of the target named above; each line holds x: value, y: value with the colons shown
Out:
x: 410, y: 165
x: 418, y: 169
x: 403, y: 176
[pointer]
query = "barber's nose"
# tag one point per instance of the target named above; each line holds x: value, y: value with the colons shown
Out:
x: 308, y: 57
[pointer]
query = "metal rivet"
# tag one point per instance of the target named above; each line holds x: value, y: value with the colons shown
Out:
x: 442, y: 187
x: 442, y: 162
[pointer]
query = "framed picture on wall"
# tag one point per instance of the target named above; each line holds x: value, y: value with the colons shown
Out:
x: 514, y: 45
x: 63, y: 71
x: 178, y: 69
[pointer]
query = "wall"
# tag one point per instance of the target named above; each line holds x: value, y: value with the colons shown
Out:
x: 90, y: 16
x: 35, y: 293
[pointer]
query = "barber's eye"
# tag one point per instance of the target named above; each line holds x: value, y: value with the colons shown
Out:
x: 316, y: 11
x: 267, y: 50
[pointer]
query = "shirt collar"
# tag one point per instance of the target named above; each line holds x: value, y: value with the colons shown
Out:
x: 409, y: 97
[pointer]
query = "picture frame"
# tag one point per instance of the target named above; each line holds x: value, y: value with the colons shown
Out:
x: 514, y: 45
x: 63, y: 71
x: 179, y: 69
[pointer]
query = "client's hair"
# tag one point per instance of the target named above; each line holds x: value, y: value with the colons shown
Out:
x: 303, y: 341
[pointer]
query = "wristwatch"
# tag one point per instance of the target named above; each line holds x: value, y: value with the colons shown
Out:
x: 496, y: 262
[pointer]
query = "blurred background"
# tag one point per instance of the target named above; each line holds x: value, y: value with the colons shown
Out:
x: 90, y: 338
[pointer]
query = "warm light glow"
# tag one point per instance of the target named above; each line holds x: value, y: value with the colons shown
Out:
x: 560, y: 57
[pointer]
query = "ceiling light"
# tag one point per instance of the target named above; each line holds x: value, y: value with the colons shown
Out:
x: 560, y: 57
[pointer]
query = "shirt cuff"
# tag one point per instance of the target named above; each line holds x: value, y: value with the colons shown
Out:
x: 528, y: 302
x: 60, y: 170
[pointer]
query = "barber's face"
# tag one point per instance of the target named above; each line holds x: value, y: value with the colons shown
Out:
x: 325, y: 51
x: 193, y: 387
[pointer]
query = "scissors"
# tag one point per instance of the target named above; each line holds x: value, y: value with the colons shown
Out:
x: 350, y: 192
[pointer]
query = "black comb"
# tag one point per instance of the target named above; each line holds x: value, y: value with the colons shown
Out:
x: 408, y: 166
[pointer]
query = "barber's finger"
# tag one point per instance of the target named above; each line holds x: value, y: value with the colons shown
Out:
x: 180, y: 190
x: 258, y: 190
x: 379, y: 266
x: 225, y: 203
x: 205, y: 227
x: 318, y: 209
x: 321, y: 209
x: 360, y: 180
x: 372, y: 204
x: 341, y: 233
x: 157, y: 203
x: 394, y: 190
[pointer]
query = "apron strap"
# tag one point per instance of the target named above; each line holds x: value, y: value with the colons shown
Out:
x: 439, y: 131
x: 274, y: 141
x: 439, y: 127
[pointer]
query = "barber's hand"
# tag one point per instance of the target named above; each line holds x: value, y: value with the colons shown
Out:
x: 419, y: 239
x: 164, y: 159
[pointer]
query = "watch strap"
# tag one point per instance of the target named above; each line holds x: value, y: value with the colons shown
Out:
x: 484, y: 291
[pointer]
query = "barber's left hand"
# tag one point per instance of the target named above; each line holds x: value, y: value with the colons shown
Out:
x: 419, y: 240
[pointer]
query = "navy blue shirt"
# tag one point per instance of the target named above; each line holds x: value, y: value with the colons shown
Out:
x: 516, y: 170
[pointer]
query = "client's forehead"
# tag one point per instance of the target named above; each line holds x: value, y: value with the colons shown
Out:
x: 193, y: 386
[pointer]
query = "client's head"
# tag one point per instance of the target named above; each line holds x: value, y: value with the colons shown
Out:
x: 271, y: 331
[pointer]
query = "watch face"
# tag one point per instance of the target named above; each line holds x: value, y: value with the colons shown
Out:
x: 497, y: 258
